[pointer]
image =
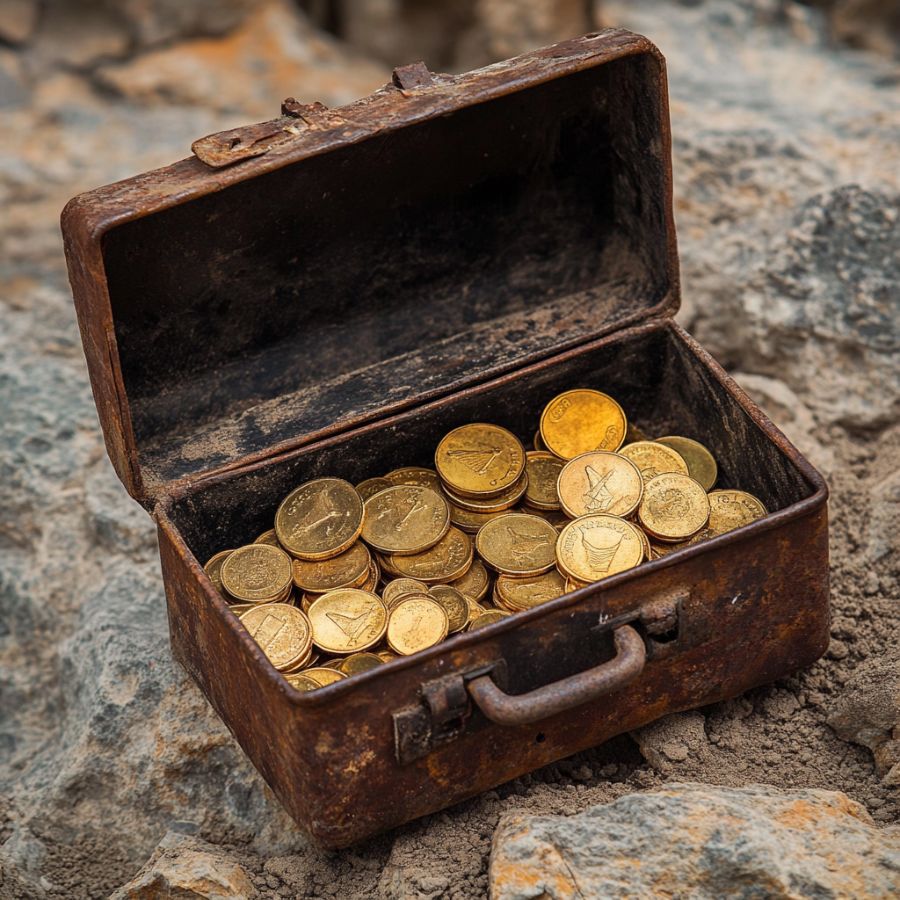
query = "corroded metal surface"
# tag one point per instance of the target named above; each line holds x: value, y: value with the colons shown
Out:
x: 309, y: 133
x: 567, y: 693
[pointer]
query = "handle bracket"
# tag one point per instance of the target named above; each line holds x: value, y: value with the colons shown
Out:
x: 446, y: 705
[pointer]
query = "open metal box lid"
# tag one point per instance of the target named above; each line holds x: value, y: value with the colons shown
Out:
x: 332, y: 266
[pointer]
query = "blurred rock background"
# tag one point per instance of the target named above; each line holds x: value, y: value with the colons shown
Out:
x: 114, y: 773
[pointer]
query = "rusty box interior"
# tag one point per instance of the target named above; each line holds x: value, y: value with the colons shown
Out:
x: 399, y: 268
x: 662, y: 385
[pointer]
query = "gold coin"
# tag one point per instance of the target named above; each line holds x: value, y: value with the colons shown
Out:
x: 525, y: 593
x: 386, y: 655
x: 732, y: 509
x: 475, y: 583
x: 673, y: 507
x: 556, y: 517
x: 256, y: 573
x: 573, y: 584
x: 213, y: 569
x: 447, y: 560
x: 654, y: 459
x: 700, y: 462
x: 633, y: 434
x: 310, y: 659
x: 538, y: 442
x: 498, y: 503
x: 475, y: 610
x: 470, y: 521
x: 658, y: 550
x: 371, y: 486
x: 517, y: 544
x: 582, y: 420
x: 372, y: 579
x: 324, y: 676
x: 454, y: 604
x: 400, y: 586
x: 415, y: 624
x: 347, y: 621
x: 600, y: 482
x: 319, y: 519
x: 240, y: 608
x: 646, y: 542
x: 405, y: 519
x: 384, y: 560
x: 593, y: 547
x: 299, y: 682
x: 269, y: 537
x: 282, y: 632
x: 488, y: 617
x: 347, y: 569
x: 542, y: 469
x: 416, y: 475
x: 480, y: 460
x: 285, y: 595
x: 359, y: 663
x: 399, y: 598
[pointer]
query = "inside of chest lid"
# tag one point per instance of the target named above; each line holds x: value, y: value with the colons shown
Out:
x: 526, y: 216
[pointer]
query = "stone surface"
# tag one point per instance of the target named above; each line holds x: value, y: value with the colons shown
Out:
x: 18, y: 19
x: 188, y: 869
x: 671, y: 741
x: 461, y: 35
x: 868, y: 712
x: 700, y: 842
x: 872, y: 24
x: 284, y: 54
x: 105, y: 745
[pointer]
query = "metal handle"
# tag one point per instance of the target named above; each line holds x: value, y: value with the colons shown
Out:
x: 521, y: 709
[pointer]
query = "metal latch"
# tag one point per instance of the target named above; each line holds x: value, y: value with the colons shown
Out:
x: 442, y: 714
x: 228, y: 147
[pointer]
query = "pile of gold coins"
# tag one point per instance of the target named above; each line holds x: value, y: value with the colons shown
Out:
x: 353, y: 577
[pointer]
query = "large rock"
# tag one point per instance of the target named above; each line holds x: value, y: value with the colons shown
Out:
x: 873, y: 24
x: 86, y: 32
x: 824, y: 299
x: 674, y: 740
x: 18, y: 19
x: 787, y: 201
x: 867, y: 712
x: 457, y: 36
x: 699, y: 842
x: 285, y: 54
x: 184, y: 868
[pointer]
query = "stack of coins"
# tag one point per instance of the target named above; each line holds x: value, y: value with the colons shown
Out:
x: 351, y: 577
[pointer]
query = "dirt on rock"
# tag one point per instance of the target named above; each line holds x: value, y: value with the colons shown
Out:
x: 787, y: 185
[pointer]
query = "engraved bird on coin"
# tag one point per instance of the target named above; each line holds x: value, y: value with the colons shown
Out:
x: 319, y: 512
x: 597, y: 497
x: 479, y: 461
x: 350, y: 625
x: 415, y: 505
x: 526, y: 544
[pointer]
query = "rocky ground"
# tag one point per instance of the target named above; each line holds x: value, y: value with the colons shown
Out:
x: 114, y: 772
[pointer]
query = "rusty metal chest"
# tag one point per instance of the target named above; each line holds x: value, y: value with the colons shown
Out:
x: 323, y: 294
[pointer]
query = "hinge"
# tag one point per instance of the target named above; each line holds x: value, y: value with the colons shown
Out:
x: 411, y: 77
